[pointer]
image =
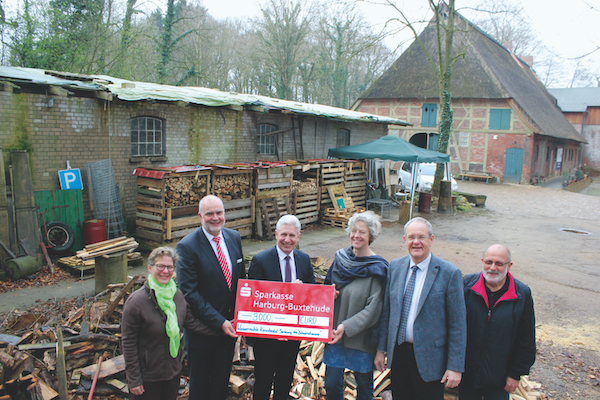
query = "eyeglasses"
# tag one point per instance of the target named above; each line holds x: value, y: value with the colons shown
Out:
x: 161, y: 267
x: 421, y: 238
x: 498, y: 264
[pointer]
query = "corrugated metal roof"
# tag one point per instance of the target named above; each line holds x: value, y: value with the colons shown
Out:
x: 576, y: 99
x: 135, y: 91
x: 139, y: 91
x: 39, y: 76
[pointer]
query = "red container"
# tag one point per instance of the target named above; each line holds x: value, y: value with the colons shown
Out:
x: 94, y: 231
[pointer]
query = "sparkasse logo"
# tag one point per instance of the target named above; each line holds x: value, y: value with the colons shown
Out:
x: 246, y: 291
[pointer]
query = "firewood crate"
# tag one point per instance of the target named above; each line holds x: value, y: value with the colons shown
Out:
x: 305, y: 205
x: 167, y: 203
x: 235, y: 187
x: 356, y: 182
x: 305, y: 194
x: 350, y: 174
x: 329, y: 175
x: 273, y: 181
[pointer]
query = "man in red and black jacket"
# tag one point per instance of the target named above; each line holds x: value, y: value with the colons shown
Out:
x: 500, y: 329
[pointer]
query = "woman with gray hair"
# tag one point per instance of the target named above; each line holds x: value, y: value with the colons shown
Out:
x: 359, y: 277
x: 153, y: 318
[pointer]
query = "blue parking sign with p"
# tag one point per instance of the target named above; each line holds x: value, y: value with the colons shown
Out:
x: 70, y: 179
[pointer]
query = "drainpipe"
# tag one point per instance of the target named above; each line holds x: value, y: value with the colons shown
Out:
x: 581, y: 146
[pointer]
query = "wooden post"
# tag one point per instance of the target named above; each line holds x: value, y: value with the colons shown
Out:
x: 403, y: 216
x: 61, y: 369
x: 445, y: 199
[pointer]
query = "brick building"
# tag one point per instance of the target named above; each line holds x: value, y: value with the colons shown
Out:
x: 62, y: 117
x: 505, y: 121
x: 581, y: 106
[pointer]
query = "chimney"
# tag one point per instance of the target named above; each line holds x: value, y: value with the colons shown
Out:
x: 528, y: 60
x: 508, y: 45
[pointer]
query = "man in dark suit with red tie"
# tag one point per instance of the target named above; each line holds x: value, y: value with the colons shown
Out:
x: 276, y: 359
x: 210, y: 264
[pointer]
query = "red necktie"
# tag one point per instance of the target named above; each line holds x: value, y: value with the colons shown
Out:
x: 223, y: 262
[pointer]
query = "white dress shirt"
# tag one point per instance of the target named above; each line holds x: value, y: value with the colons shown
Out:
x: 421, y: 272
x: 223, y: 245
x: 282, y: 256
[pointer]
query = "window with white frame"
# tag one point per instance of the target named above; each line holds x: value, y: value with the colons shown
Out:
x: 342, y: 138
x: 464, y: 139
x: 265, y: 144
x: 147, y: 137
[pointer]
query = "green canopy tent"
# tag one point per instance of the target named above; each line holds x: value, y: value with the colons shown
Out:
x: 395, y: 149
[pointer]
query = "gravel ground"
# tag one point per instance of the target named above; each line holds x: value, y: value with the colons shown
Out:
x: 554, y: 237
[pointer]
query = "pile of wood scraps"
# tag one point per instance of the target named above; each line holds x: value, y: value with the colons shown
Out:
x: 107, y: 247
x: 527, y: 390
x: 309, y: 376
x: 62, y: 357
x: 82, y: 263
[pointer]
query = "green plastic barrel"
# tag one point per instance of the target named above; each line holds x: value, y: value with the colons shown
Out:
x: 110, y: 269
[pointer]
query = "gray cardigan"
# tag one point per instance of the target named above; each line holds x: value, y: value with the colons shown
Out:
x: 358, y: 307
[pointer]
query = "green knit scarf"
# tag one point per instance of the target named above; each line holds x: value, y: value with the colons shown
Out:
x: 164, y: 298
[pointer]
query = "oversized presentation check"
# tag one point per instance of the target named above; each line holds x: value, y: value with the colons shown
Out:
x: 279, y: 310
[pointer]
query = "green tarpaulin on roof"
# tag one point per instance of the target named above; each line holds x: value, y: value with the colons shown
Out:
x: 390, y: 148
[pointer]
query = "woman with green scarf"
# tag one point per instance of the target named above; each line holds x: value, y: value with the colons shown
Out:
x: 153, y: 318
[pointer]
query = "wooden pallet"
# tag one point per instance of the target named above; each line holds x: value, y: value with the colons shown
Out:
x: 305, y: 206
x: 335, y: 222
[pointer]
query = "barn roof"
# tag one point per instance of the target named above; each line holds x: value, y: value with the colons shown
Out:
x: 576, y: 99
x: 138, y: 91
x: 488, y: 71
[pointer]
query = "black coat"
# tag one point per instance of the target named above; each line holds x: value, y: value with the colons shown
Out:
x: 502, y: 343
x: 265, y: 266
x: 201, y: 279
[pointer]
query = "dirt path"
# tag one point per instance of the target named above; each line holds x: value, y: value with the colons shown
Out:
x: 554, y: 237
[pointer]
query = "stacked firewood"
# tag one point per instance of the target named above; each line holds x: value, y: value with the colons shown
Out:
x: 232, y: 187
x: 301, y: 186
x: 185, y: 190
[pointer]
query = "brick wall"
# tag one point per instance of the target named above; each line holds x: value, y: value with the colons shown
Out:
x: 486, y: 149
x: 82, y: 130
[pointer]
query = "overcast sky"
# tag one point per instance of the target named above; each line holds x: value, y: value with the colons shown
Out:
x: 568, y: 28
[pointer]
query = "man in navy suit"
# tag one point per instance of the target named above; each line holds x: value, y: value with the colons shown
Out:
x: 276, y: 359
x: 423, y: 323
x: 210, y: 264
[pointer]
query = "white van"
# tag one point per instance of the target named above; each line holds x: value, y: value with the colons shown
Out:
x: 425, y: 177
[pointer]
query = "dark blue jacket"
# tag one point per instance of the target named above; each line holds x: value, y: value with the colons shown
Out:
x: 500, y: 341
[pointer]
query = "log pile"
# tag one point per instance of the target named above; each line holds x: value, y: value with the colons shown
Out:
x: 36, y: 359
x: 185, y: 190
x: 36, y: 351
x: 232, y: 187
x: 303, y: 186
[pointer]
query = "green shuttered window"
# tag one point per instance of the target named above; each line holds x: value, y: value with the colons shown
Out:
x: 500, y: 118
